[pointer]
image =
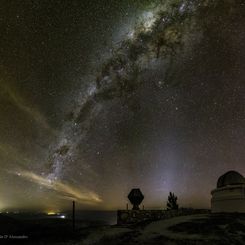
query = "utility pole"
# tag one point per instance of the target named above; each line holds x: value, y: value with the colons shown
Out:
x: 73, y: 215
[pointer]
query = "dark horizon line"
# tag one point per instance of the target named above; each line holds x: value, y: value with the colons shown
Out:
x: 16, y: 211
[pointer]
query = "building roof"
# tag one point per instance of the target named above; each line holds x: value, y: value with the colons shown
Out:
x: 230, y: 178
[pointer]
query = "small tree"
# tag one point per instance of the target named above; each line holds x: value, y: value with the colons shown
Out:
x: 172, y: 202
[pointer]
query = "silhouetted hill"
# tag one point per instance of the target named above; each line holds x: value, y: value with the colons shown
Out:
x: 208, y: 229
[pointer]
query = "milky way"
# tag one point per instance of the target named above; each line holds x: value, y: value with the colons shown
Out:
x: 157, y: 101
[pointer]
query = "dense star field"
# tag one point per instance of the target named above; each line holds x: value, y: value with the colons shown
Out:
x: 98, y: 97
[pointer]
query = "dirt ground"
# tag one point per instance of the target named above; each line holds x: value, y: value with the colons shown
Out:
x: 193, y: 229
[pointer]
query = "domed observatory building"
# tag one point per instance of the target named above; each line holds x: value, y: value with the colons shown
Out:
x: 229, y: 196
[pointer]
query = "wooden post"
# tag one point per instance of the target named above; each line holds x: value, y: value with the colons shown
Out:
x: 73, y: 215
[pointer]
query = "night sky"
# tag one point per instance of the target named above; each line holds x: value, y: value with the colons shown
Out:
x: 98, y: 97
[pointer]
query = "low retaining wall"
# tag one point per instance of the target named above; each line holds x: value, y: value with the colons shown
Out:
x: 135, y: 216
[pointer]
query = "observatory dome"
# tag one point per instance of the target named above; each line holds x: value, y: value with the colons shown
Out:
x: 230, y: 178
x: 229, y: 196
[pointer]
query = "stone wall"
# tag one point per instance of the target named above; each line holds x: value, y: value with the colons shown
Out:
x: 125, y: 217
x: 230, y: 198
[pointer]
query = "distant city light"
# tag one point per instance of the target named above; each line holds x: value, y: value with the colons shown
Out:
x: 51, y: 213
x: 62, y: 216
